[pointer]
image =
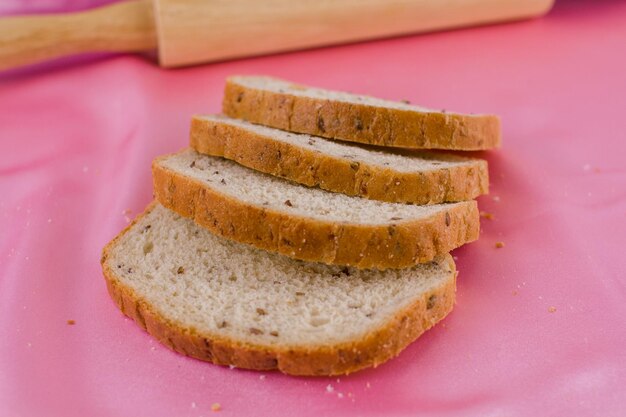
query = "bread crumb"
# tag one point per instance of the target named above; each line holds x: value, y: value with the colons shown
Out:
x: 232, y: 366
x: 496, y: 198
x: 514, y: 292
x: 486, y: 215
x: 339, y: 395
x: 153, y: 348
x: 126, y: 211
x: 499, y: 245
x: 329, y: 388
x: 216, y: 407
x: 71, y: 322
x: 261, y: 377
x: 552, y: 309
x: 49, y: 220
x: 338, y: 380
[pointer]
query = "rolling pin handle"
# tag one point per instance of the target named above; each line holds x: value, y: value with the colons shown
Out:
x: 123, y: 27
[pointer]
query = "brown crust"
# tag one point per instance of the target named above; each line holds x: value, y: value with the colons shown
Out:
x: 341, y: 175
x: 374, y: 348
x: 393, y: 245
x: 361, y: 122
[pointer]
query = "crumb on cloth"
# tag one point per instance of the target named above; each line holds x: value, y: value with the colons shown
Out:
x: 486, y: 215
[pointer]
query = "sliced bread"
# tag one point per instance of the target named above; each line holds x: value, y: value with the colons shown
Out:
x: 231, y: 304
x: 415, y: 177
x: 281, y: 104
x: 308, y: 223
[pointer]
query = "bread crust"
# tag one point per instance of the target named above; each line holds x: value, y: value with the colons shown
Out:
x: 372, y: 349
x: 363, y: 123
x: 391, y: 245
x: 336, y: 174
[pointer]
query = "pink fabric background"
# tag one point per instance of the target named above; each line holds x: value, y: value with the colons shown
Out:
x: 76, y: 141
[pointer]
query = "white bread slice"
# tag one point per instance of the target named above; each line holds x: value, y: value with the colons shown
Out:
x: 284, y: 105
x: 409, y: 177
x: 231, y: 304
x: 308, y: 223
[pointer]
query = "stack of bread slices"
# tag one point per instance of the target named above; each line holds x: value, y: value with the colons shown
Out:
x: 277, y: 242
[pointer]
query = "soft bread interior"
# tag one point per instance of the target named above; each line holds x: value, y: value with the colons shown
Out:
x: 278, y: 194
x: 285, y: 87
x: 226, y: 289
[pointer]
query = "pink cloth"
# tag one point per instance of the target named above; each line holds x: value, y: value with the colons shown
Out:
x: 539, y: 328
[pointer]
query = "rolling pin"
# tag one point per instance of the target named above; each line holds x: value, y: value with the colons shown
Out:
x: 189, y: 32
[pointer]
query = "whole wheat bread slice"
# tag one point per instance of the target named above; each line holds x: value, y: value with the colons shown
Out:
x: 231, y: 304
x: 284, y: 105
x: 413, y: 177
x: 308, y: 223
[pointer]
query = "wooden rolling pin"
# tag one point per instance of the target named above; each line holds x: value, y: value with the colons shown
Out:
x: 194, y: 31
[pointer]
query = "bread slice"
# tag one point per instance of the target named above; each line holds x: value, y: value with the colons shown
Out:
x: 231, y: 304
x: 281, y: 104
x: 308, y: 223
x: 413, y: 177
